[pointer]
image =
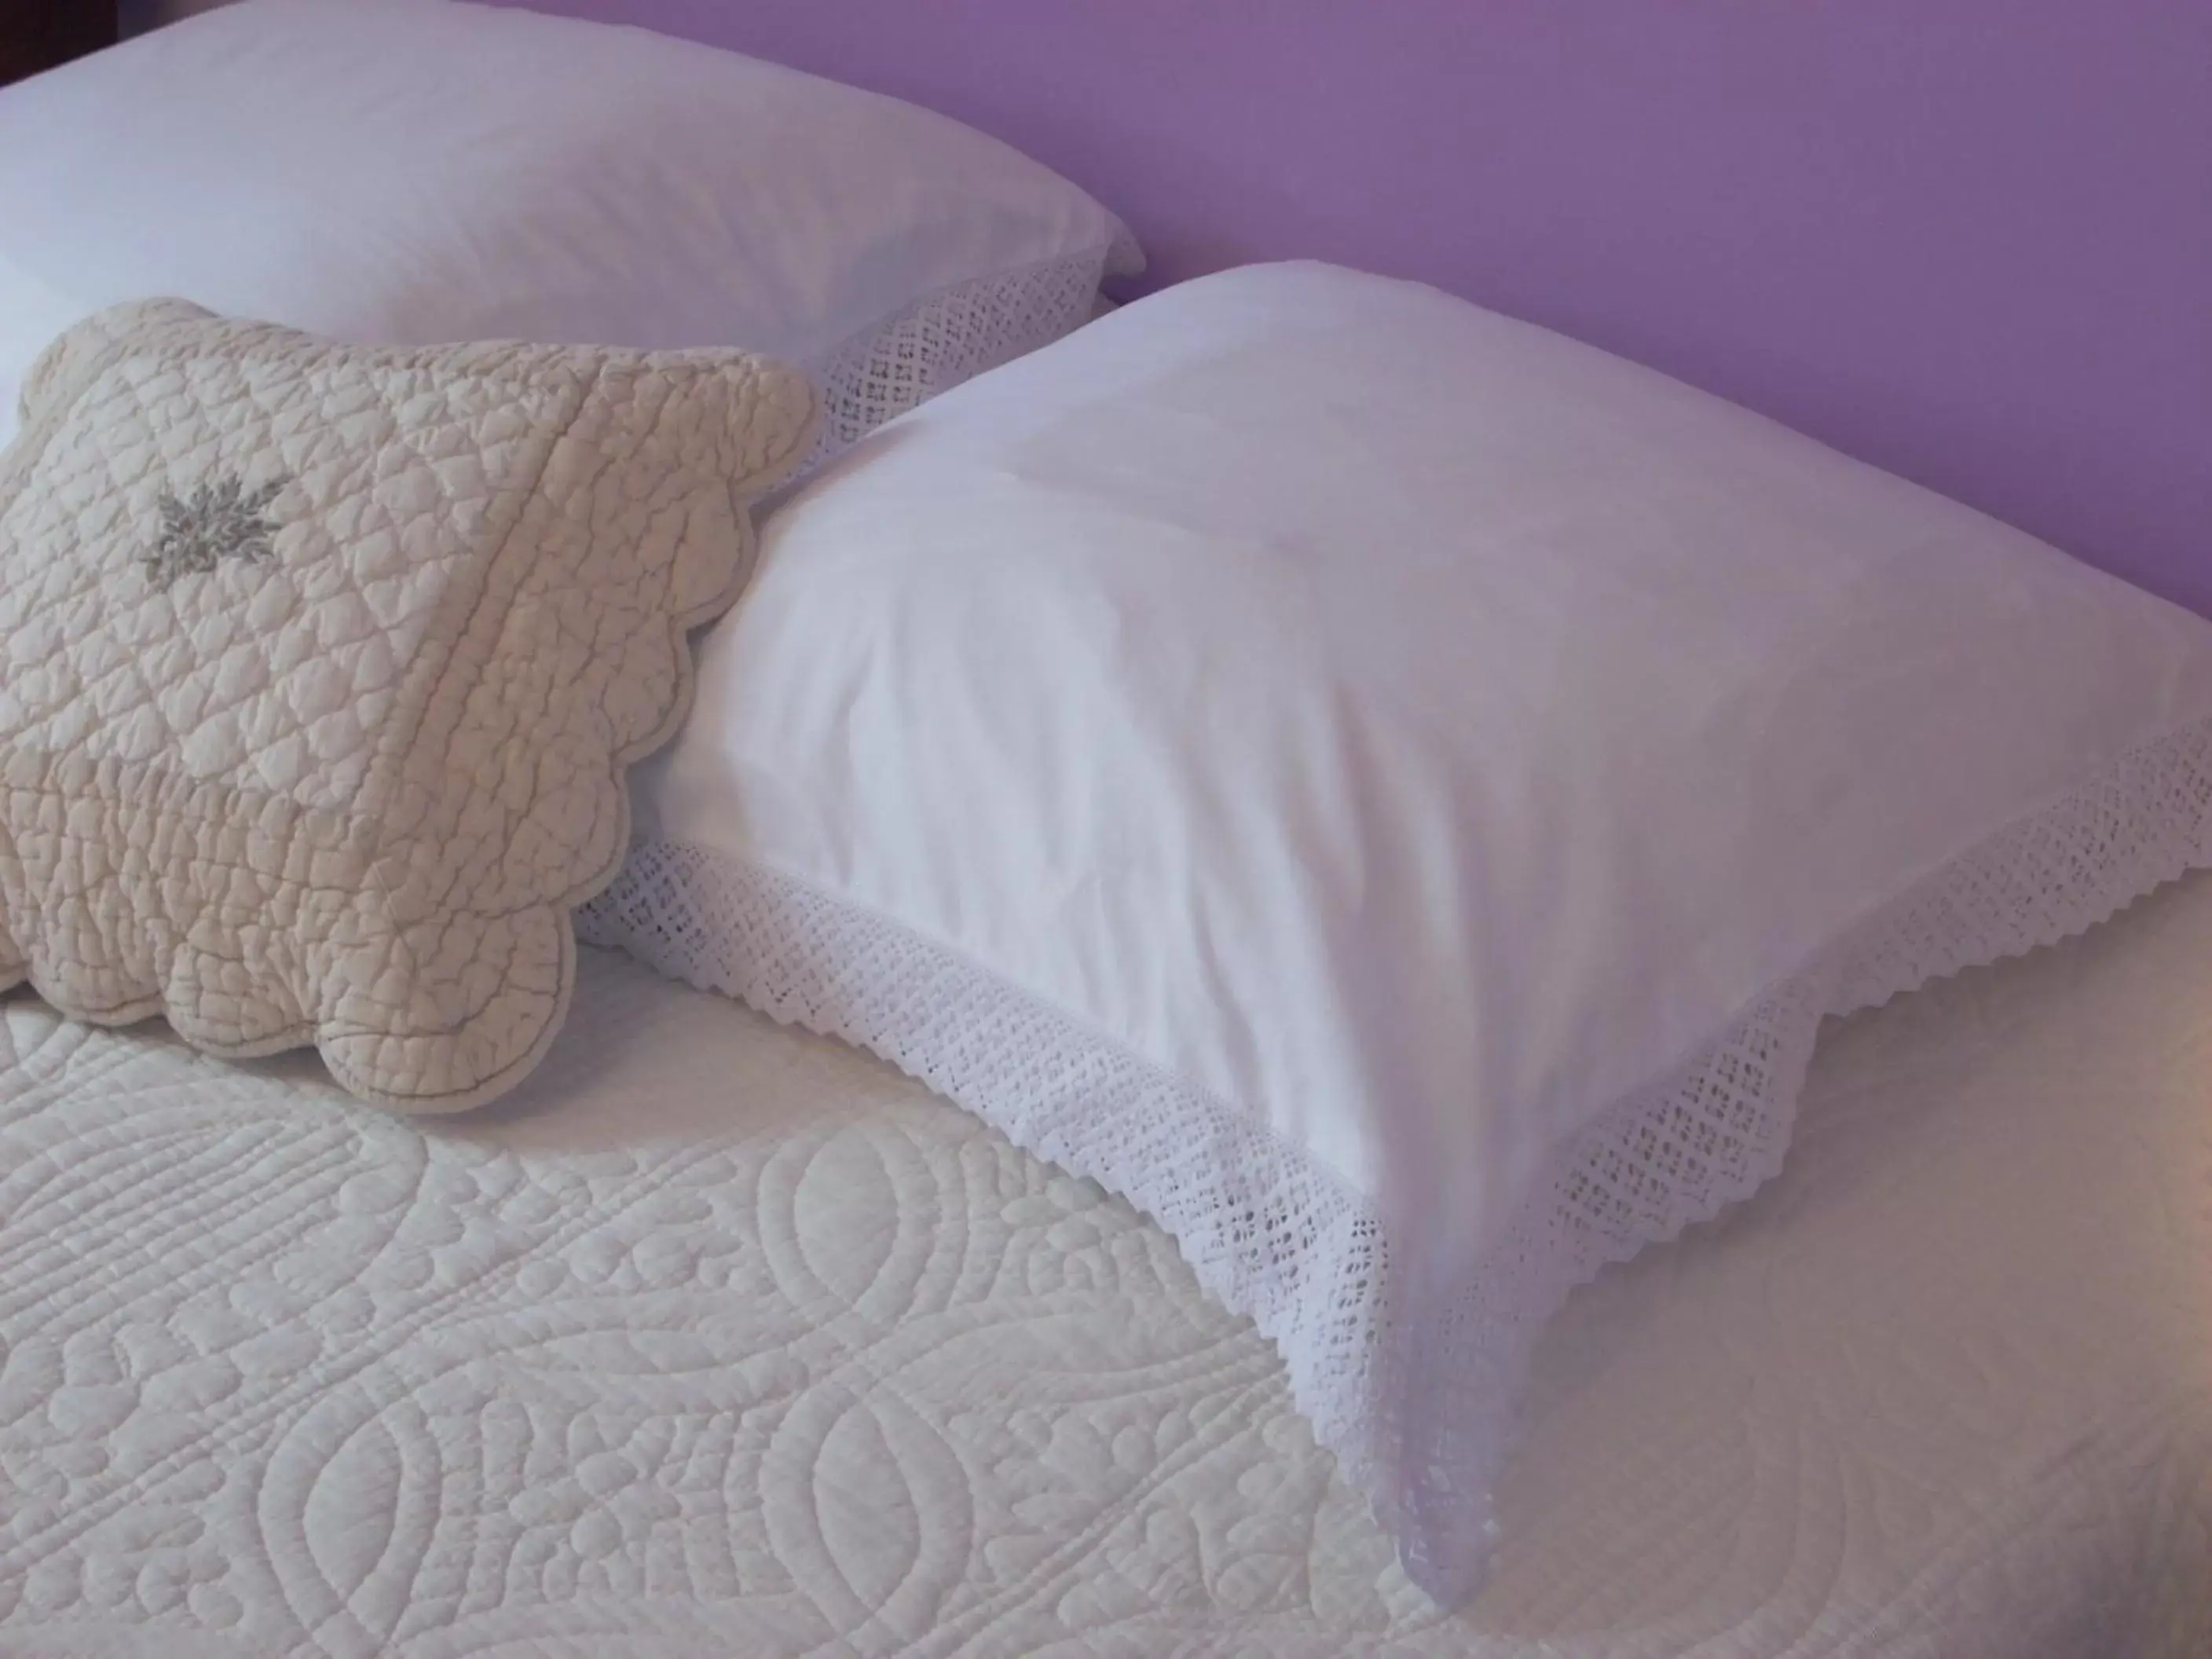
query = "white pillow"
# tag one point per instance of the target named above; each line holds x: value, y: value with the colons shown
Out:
x: 1393, y: 792
x: 413, y: 172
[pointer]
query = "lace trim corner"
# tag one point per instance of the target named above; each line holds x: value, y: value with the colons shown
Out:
x: 1417, y: 1404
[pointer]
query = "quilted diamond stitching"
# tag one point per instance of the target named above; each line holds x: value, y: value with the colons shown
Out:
x: 347, y: 794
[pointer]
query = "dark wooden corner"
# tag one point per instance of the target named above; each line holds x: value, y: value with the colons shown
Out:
x: 40, y: 34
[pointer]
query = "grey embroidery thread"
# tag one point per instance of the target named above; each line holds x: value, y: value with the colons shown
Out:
x: 220, y: 520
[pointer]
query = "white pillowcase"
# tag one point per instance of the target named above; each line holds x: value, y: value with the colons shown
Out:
x: 412, y: 172
x: 1393, y: 792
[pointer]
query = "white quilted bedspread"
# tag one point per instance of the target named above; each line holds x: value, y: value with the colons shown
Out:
x: 718, y: 1339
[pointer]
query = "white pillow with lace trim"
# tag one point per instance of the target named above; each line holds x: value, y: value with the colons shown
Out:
x: 414, y: 172
x: 1393, y: 792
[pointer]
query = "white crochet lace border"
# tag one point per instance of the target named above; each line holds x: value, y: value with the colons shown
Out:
x: 904, y: 360
x: 1417, y: 1403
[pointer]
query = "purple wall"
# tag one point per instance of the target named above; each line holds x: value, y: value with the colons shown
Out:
x: 1970, y: 241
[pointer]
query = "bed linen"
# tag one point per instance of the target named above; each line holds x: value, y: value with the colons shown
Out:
x: 717, y: 1337
x: 1393, y: 792
x: 413, y: 172
x: 326, y: 665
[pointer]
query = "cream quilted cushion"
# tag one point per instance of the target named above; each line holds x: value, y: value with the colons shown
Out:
x: 321, y: 664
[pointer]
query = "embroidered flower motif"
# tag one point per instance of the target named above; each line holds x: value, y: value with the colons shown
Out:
x: 220, y: 520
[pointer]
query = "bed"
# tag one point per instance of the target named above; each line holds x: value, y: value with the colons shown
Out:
x: 718, y: 1337
x: 715, y: 1334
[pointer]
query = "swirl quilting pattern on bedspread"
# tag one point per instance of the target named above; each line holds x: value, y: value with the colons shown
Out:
x: 324, y: 1383
x: 721, y: 1338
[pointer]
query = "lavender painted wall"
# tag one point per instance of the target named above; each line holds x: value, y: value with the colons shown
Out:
x: 1970, y: 241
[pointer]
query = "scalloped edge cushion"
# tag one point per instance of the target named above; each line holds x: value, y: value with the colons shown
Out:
x: 325, y: 663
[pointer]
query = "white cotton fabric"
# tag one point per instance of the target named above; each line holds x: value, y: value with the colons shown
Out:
x: 415, y: 172
x: 717, y: 1340
x: 1393, y: 792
